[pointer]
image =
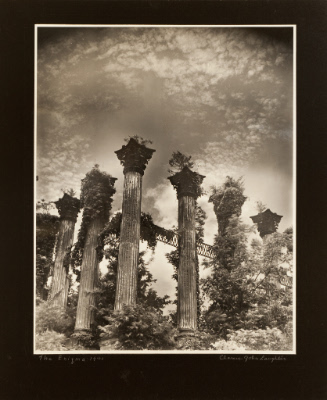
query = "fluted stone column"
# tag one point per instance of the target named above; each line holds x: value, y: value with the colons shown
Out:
x: 89, y: 277
x: 187, y: 183
x: 267, y: 223
x: 134, y: 158
x: 90, y: 262
x: 68, y: 208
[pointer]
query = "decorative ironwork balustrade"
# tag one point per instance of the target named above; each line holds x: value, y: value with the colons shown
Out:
x: 286, y: 280
x: 171, y: 238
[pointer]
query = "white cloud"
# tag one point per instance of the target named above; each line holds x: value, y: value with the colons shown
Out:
x: 165, y: 203
x: 217, y: 94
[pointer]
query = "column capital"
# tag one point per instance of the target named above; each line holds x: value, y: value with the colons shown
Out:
x: 187, y: 183
x: 68, y: 207
x: 267, y: 222
x: 134, y: 156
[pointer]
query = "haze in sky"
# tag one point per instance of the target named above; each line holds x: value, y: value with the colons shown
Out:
x: 222, y: 95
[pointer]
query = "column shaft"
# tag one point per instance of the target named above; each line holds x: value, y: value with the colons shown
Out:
x: 59, y: 288
x: 187, y: 296
x: 126, y: 289
x: 89, y: 277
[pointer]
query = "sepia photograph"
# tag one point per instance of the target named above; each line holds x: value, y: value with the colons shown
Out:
x: 165, y: 183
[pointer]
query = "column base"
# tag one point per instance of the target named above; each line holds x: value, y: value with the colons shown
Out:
x: 182, y: 332
x: 192, y: 340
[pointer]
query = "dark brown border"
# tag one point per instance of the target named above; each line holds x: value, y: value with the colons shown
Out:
x: 161, y: 376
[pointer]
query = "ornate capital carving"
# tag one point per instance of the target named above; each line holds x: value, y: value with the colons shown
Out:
x: 134, y: 156
x: 68, y: 207
x: 187, y: 183
x: 267, y: 222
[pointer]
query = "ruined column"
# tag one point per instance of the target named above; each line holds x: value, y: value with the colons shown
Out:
x: 134, y: 157
x: 68, y: 208
x: 96, y: 199
x: 187, y: 183
x: 267, y: 222
x: 89, y: 277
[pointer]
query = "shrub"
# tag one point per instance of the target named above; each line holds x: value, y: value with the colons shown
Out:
x: 49, y: 317
x: 50, y: 341
x: 260, y: 339
x: 229, y: 345
x: 53, y: 341
x: 84, y: 340
x: 200, y: 341
x: 139, y: 328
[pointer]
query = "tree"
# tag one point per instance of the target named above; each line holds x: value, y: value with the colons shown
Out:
x: 255, y: 295
x: 138, y: 327
x: 261, y: 207
x: 250, y: 288
x: 44, y: 207
x: 228, y: 200
x: 71, y: 192
x: 227, y: 287
x: 178, y: 161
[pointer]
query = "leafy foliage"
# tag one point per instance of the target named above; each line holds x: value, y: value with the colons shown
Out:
x: 181, y: 176
x: 231, y: 248
x: 67, y: 259
x: 148, y: 232
x: 55, y: 326
x: 50, y: 341
x: 52, y: 318
x: 200, y: 217
x: 71, y: 192
x: 139, y: 328
x: 96, y: 198
x: 96, y: 193
x: 68, y: 207
x: 146, y: 295
x: 53, y: 341
x: 44, y: 207
x: 47, y: 227
x: 178, y: 161
x: 244, y: 289
x: 229, y: 345
x: 261, y: 207
x: 85, y: 340
x: 109, y: 249
x: 199, y: 341
x: 228, y: 200
x: 261, y: 339
x: 139, y: 140
x: 249, y: 291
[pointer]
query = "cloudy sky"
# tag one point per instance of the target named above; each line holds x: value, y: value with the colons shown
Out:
x: 222, y: 95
